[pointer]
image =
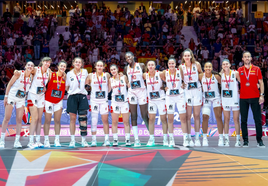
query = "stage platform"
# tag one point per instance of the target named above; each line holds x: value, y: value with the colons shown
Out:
x: 122, y: 165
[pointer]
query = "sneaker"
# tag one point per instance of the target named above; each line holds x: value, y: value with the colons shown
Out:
x: 115, y: 143
x: 137, y: 143
x: 72, y: 144
x: 186, y: 142
x: 150, y: 143
x: 205, y: 142
x: 191, y: 143
x: 32, y: 145
x: 227, y: 143
x: 40, y: 145
x: 93, y: 143
x: 165, y: 143
x: 245, y: 144
x: 260, y: 144
x: 46, y: 144
x: 2, y: 144
x: 57, y: 143
x: 220, y: 143
x: 171, y: 142
x: 197, y: 143
x: 128, y: 143
x: 84, y: 144
x: 17, y: 144
x: 106, y: 143
x: 237, y: 143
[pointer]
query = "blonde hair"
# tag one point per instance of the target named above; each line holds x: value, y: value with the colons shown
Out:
x: 191, y: 53
x: 79, y: 58
x: 44, y: 59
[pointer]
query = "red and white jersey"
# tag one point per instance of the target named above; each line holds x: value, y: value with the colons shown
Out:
x: 174, y: 82
x: 191, y: 75
x: 154, y: 85
x: 229, y: 94
x: 99, y: 88
x: 20, y: 84
x: 76, y: 82
x: 135, y: 77
x: 210, y: 87
x: 119, y: 94
x: 39, y: 82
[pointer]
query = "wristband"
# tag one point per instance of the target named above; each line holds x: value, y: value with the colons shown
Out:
x: 6, y: 96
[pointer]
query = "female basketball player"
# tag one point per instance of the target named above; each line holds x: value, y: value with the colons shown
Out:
x: 53, y: 102
x: 100, y: 87
x: 230, y: 100
x: 136, y: 93
x: 211, y: 96
x: 157, y: 101
x: 119, y: 104
x: 193, y: 95
x: 77, y: 99
x: 16, y: 91
x: 36, y: 99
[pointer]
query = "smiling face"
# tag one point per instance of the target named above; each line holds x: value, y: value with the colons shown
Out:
x: 62, y: 67
x: 187, y: 56
x: 29, y: 66
x: 247, y: 58
x: 46, y: 64
x: 151, y: 65
x: 129, y: 58
x: 99, y: 66
x: 77, y: 63
x: 226, y: 66
x: 208, y: 68
x: 171, y: 64
x: 114, y: 70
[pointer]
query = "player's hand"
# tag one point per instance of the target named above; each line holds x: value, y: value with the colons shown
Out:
x: 128, y: 85
x: 261, y: 100
x: 166, y: 88
x: 121, y: 74
x: 5, y: 101
x: 183, y: 85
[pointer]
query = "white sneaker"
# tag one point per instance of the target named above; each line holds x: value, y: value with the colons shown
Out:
x: 46, y: 144
x: 227, y: 143
x: 220, y: 143
x: 57, y: 143
x: 137, y: 143
x: 72, y: 144
x: 128, y: 143
x: 93, y: 143
x: 17, y: 144
x: 186, y: 142
x: 191, y: 143
x: 84, y: 144
x: 171, y: 142
x: 165, y: 143
x: 32, y: 145
x: 2, y: 144
x: 237, y: 143
x: 197, y: 143
x: 40, y: 145
x: 205, y: 142
x: 106, y: 143
x: 115, y: 143
x: 150, y: 143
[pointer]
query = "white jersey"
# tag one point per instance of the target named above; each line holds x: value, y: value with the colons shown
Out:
x: 72, y: 81
x: 119, y: 95
x: 174, y: 83
x: 154, y: 85
x: 39, y: 82
x: 135, y: 78
x: 17, y: 89
x: 191, y: 77
x: 99, y: 88
x: 229, y: 95
x: 210, y: 88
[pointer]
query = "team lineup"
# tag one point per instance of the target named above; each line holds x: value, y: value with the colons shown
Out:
x: 185, y: 87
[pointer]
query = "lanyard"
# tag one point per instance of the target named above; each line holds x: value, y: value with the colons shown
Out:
x: 247, y: 76
x: 131, y: 74
x: 100, y: 82
x: 44, y: 79
x: 119, y: 86
x: 172, y: 81
x: 228, y: 82
x: 208, y: 84
x: 59, y: 82
x: 152, y: 83
x: 24, y: 82
x: 78, y: 80
x: 189, y: 74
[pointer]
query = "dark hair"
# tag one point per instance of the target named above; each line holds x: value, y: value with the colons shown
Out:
x: 99, y: 61
x: 79, y: 59
x: 62, y: 61
x: 212, y: 71
x: 44, y: 59
x: 114, y: 65
x: 246, y: 52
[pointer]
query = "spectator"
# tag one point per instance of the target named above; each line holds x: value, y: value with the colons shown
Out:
x: 217, y: 47
x: 37, y: 43
x: 10, y: 41
x: 66, y: 34
x: 27, y: 56
x: 45, y: 49
x: 17, y: 10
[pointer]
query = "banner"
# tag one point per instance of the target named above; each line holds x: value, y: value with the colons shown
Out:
x: 144, y: 59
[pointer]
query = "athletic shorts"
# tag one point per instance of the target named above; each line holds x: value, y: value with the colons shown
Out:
x: 16, y: 101
x: 52, y: 107
x: 193, y: 97
x: 118, y: 108
x: 179, y: 101
x: 229, y: 108
x: 137, y: 96
x: 207, y: 105
x: 159, y: 105
x: 77, y: 102
x: 36, y: 100
x: 99, y: 107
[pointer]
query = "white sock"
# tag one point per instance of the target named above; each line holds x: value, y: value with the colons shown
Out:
x: 221, y: 136
x: 72, y: 138
x: 115, y: 136
x: 135, y: 132
x: 170, y: 135
x: 17, y: 138
x: 3, y: 135
x: 93, y: 137
x: 196, y: 135
x: 31, y: 138
x: 83, y: 138
x: 57, y: 136
x: 226, y: 136
x: 46, y: 137
x: 189, y: 136
x: 106, y: 137
x: 127, y: 135
x: 205, y: 135
x: 237, y: 137
x: 165, y: 136
x: 185, y: 136
x: 152, y: 137
x: 37, y: 138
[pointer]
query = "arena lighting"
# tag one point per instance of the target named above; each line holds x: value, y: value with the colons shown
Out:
x: 227, y: 1
x: 75, y: 1
x: 122, y: 2
x: 185, y: 2
x: 52, y: 6
x: 65, y: 6
x: 213, y: 1
x: 39, y: 6
x: 199, y: 2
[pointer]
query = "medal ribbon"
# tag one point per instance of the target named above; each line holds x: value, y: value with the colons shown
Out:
x: 172, y: 81
x: 59, y: 84
x: 119, y: 88
x: 208, y: 84
x: 247, y: 76
x: 189, y: 74
x: 24, y: 82
x: 100, y: 82
x: 228, y: 82
x: 131, y: 74
x: 79, y: 80
x: 152, y: 83
x: 43, y: 77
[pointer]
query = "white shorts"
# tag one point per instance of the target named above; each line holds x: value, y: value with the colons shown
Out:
x: 193, y: 97
x: 159, y: 105
x: 229, y: 108
x: 118, y: 108
x: 102, y: 107
x: 52, y: 107
x: 171, y: 101
x: 138, y: 96
x: 36, y: 100
x: 16, y: 101
x: 207, y: 105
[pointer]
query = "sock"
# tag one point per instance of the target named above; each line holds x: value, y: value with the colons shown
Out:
x: 31, y: 138
x: 189, y: 136
x: 3, y: 135
x: 115, y: 136
x: 196, y: 135
x: 17, y: 138
x: 205, y: 135
x: 237, y: 137
x: 185, y: 136
x: 170, y: 135
x: 165, y: 136
x: 221, y: 136
x: 72, y: 138
x: 83, y: 138
x: 93, y: 137
x: 57, y: 136
x: 37, y: 138
x: 135, y: 132
x: 46, y: 137
x: 127, y: 136
x: 226, y: 136
x: 106, y: 137
x: 152, y: 137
